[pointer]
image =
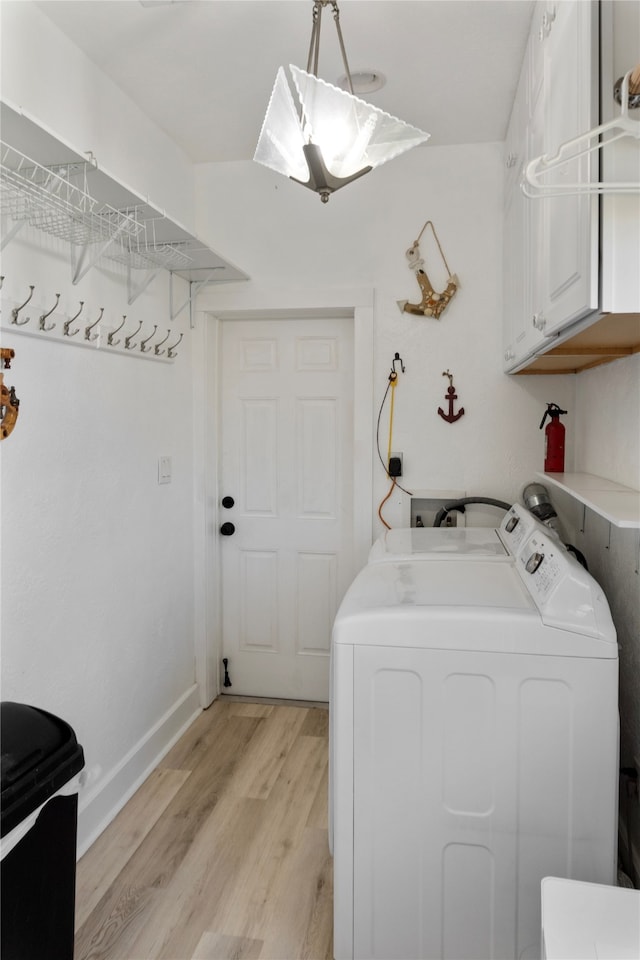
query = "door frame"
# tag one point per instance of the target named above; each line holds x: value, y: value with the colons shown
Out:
x: 245, y: 304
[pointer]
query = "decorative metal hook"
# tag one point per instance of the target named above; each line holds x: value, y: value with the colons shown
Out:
x: 170, y: 350
x: 87, y: 332
x: 44, y: 316
x: 16, y: 310
x: 143, y: 343
x: 67, y: 324
x: 127, y: 340
x: 156, y: 350
x: 110, y: 341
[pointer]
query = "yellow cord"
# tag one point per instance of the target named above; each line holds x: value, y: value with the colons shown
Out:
x: 393, y: 393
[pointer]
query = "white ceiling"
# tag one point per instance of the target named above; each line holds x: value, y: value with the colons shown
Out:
x: 203, y: 69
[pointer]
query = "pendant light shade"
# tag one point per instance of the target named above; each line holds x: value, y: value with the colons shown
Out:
x: 332, y: 138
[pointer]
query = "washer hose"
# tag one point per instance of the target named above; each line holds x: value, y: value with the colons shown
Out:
x: 460, y: 505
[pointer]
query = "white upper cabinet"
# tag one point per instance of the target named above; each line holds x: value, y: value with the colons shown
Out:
x: 569, y: 229
x: 559, y: 250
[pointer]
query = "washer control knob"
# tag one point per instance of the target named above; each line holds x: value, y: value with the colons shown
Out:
x: 534, y: 562
x: 511, y: 524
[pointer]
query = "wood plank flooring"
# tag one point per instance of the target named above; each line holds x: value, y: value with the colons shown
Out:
x: 222, y: 854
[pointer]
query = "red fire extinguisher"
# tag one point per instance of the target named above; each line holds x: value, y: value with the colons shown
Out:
x: 553, y: 439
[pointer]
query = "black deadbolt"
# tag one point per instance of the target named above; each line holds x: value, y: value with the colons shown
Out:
x: 228, y: 502
x: 227, y: 529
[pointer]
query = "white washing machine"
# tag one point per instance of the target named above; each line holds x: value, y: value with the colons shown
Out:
x: 474, y: 747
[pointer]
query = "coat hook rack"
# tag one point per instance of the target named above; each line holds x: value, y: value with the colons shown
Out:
x: 16, y: 310
x: 170, y: 350
x: 143, y: 343
x: 128, y: 345
x: 66, y: 326
x: 156, y: 350
x: 44, y: 316
x: 87, y: 333
x: 110, y: 341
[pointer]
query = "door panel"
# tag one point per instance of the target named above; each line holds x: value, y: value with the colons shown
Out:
x: 287, y: 460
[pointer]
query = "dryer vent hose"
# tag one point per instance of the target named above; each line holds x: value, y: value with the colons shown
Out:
x: 461, y: 504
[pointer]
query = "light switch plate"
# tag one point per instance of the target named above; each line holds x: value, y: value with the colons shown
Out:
x: 164, y: 470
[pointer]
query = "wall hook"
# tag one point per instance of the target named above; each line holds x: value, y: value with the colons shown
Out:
x: 16, y: 310
x: 127, y: 340
x: 67, y: 324
x: 451, y: 395
x: 44, y: 316
x: 143, y: 343
x: 156, y: 350
x: 394, y: 373
x: 87, y: 332
x: 170, y: 350
x: 110, y: 341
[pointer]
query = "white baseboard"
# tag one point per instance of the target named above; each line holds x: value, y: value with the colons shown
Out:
x: 100, y: 803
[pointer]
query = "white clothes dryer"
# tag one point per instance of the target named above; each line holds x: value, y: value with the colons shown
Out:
x: 473, y: 748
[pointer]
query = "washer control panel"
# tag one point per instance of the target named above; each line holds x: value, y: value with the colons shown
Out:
x: 544, y: 561
x: 565, y: 594
x: 517, y: 525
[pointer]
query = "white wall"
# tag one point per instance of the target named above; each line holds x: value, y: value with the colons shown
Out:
x: 285, y: 238
x: 48, y: 77
x: 97, y: 558
x: 608, y: 444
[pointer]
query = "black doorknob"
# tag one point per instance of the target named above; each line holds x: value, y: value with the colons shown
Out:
x: 228, y: 502
x: 227, y: 529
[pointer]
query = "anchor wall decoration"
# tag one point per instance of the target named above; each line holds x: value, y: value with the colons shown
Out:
x: 451, y: 395
x: 433, y: 303
x: 9, y: 403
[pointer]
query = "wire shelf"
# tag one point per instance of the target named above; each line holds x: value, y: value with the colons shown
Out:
x: 49, y: 201
x: 145, y: 253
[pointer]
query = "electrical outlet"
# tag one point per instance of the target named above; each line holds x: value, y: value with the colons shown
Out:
x: 395, y: 465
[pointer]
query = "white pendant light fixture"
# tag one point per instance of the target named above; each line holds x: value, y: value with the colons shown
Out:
x: 333, y: 137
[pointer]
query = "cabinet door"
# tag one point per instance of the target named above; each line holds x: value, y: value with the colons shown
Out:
x: 523, y: 264
x: 569, y: 235
x: 515, y: 246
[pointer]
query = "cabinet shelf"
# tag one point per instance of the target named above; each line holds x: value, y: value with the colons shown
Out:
x: 618, y: 504
x: 609, y: 338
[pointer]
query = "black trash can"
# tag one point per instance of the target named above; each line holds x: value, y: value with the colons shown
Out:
x: 41, y: 760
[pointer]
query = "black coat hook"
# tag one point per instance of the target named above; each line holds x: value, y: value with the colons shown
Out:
x: 394, y: 373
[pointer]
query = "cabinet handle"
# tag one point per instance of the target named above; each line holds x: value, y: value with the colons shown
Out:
x: 539, y: 321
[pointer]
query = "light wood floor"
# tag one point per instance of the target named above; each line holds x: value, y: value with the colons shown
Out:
x: 223, y: 852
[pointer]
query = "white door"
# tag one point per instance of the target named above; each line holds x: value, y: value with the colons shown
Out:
x: 287, y: 463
